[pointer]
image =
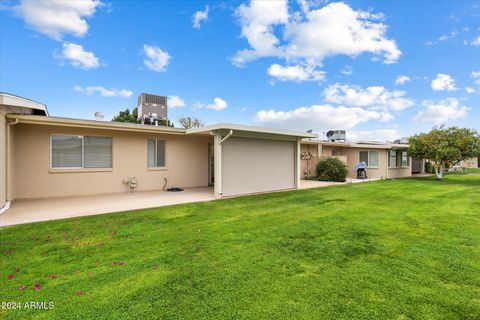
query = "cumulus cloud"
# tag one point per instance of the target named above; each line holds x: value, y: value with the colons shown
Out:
x: 156, y: 59
x: 375, y: 97
x: 470, y: 89
x: 217, y: 105
x: 56, y: 18
x: 310, y: 35
x: 443, y: 82
x: 89, y: 90
x: 78, y: 56
x: 320, y: 117
x: 441, y: 111
x: 453, y: 34
x: 401, y: 80
x: 295, y: 73
x: 175, y: 102
x: 199, y: 17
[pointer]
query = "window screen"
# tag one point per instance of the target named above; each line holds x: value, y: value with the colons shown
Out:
x: 156, y: 153
x: 392, y: 159
x: 98, y: 152
x: 405, y: 160
x: 70, y: 151
x: 67, y: 151
x: 373, y: 160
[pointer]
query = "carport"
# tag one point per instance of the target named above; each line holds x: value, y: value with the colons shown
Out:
x: 250, y: 159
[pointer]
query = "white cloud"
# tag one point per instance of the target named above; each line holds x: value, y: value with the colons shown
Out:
x: 470, y: 89
x: 347, y: 70
x: 56, y: 18
x: 175, y: 102
x: 199, y: 17
x: 374, y: 135
x: 476, y: 42
x: 319, y: 117
x: 476, y: 76
x: 156, y: 59
x: 375, y: 97
x: 310, y: 35
x: 295, y: 73
x: 443, y: 82
x: 89, y: 90
x: 453, y: 34
x: 78, y: 56
x: 441, y: 111
x: 217, y: 105
x: 401, y: 79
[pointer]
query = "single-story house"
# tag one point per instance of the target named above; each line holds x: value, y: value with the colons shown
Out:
x: 43, y: 156
x: 384, y: 160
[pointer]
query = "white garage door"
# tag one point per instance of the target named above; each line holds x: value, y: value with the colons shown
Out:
x: 257, y: 165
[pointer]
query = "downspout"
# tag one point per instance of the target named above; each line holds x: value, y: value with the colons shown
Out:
x: 8, y: 195
x: 217, y: 150
x: 388, y: 168
x: 226, y: 137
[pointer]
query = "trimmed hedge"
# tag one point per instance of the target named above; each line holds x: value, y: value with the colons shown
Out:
x: 331, y: 169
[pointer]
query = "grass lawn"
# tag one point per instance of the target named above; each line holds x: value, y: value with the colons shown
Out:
x: 404, y: 249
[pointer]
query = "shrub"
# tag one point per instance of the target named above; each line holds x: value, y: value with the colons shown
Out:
x: 331, y: 169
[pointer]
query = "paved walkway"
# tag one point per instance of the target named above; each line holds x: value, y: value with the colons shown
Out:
x: 66, y: 207
x: 27, y: 211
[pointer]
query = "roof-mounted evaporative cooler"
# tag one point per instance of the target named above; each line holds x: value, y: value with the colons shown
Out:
x: 152, y: 109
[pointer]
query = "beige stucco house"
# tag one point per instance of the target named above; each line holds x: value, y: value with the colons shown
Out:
x: 384, y: 160
x: 44, y: 157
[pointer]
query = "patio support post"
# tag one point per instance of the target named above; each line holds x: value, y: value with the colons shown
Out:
x: 297, y: 164
x: 217, y: 152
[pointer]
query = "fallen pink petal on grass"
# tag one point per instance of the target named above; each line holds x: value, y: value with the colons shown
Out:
x: 10, y: 277
x: 22, y: 287
x: 37, y: 287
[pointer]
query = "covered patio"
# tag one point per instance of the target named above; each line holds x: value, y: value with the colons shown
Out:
x: 26, y: 211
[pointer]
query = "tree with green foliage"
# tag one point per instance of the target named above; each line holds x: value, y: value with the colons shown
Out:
x: 444, y: 147
x: 190, y: 122
x: 126, y: 116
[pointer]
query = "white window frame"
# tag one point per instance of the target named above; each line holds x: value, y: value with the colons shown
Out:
x: 164, y: 167
x: 368, y: 159
x: 83, y: 152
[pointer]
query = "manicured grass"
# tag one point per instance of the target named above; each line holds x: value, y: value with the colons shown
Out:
x: 404, y: 249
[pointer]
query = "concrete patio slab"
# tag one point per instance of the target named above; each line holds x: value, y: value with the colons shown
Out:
x: 26, y: 211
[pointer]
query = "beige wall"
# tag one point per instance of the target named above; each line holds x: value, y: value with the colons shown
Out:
x: 351, y: 156
x: 257, y: 165
x: 3, y: 158
x: 469, y: 163
x: 186, y: 163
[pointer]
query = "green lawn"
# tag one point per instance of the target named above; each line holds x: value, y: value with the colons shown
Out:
x: 404, y: 249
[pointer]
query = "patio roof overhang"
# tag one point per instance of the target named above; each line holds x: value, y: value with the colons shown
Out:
x: 249, y: 129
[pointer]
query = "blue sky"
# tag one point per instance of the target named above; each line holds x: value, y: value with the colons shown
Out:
x: 380, y: 70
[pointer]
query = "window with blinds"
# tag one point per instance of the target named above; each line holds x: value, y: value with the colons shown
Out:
x: 405, y: 159
x: 156, y: 153
x: 78, y: 152
x: 392, y: 159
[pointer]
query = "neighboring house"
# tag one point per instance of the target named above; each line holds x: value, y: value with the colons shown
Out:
x: 470, y: 163
x: 384, y: 160
x: 43, y: 156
